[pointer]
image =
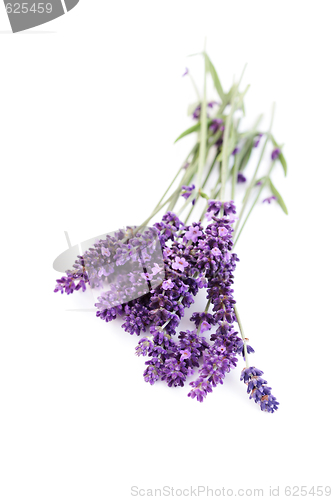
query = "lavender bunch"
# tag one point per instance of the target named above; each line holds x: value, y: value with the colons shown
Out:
x: 148, y: 276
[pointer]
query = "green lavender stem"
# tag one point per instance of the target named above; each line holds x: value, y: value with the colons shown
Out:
x: 255, y: 201
x: 186, y: 179
x: 243, y: 336
x: 203, y: 132
x: 203, y: 185
x: 225, y: 152
x: 234, y: 176
x: 225, y: 157
x: 253, y: 180
x: 155, y: 212
x: 173, y: 180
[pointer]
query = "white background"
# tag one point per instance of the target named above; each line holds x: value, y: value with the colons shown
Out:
x: 90, y: 107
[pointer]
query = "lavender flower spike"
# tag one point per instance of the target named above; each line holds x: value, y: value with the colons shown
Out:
x: 258, y: 390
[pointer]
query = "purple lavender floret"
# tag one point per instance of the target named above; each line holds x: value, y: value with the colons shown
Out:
x: 216, y: 125
x: 200, y: 389
x: 211, y: 104
x: 152, y: 372
x: 197, y: 111
x: 241, y: 350
x: 258, y: 390
x: 136, y: 318
x: 275, y: 153
x: 214, y: 207
x: 74, y: 280
x: 241, y: 178
x: 144, y: 347
x: 229, y: 207
x: 269, y: 199
x: 172, y: 220
x: 217, y: 128
x: 175, y: 372
x: 187, y: 191
x: 257, y: 140
x: 194, y: 344
x: 199, y: 318
x: 194, y: 232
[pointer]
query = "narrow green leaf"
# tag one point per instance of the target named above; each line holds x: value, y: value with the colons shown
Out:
x: 283, y: 163
x: 215, y: 137
x: 231, y: 147
x: 194, y: 128
x: 247, y: 151
x: 232, y: 144
x: 260, y: 180
x: 281, y: 156
x: 219, y: 157
x: 278, y: 197
x: 215, y: 77
x: 275, y: 144
x: 203, y: 131
x: 191, y: 108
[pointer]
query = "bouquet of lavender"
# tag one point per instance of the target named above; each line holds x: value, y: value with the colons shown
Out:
x: 149, y: 275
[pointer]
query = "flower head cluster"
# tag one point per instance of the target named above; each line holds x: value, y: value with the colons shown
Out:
x: 127, y: 263
x: 258, y: 390
x: 74, y: 280
x: 206, y: 256
x: 214, y: 208
x: 221, y: 356
x: 218, y: 360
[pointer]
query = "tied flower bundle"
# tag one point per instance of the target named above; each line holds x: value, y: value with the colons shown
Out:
x: 151, y: 274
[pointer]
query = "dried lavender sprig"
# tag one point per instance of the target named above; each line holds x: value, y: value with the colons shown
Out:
x: 258, y: 390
